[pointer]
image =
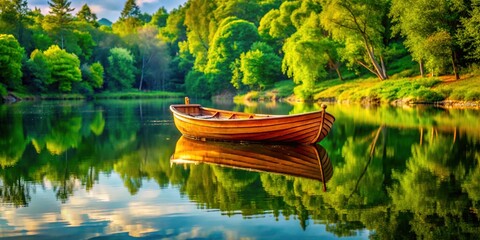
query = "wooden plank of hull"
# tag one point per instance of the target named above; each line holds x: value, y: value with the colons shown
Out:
x: 307, y: 161
x: 301, y: 128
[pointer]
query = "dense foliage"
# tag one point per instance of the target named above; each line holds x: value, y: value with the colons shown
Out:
x: 210, y: 47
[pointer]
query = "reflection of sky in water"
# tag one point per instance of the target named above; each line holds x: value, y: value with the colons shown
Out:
x: 108, y: 209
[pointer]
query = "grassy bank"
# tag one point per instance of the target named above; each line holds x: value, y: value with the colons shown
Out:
x: 105, y: 95
x: 415, y: 90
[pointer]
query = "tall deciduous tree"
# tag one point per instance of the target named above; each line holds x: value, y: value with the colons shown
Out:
x: 39, y: 70
x: 308, y: 52
x: 201, y: 26
x: 429, y: 27
x: 359, y: 24
x: 11, y: 54
x: 59, y: 21
x: 65, y: 68
x: 121, y: 71
x: 153, y: 57
x: 233, y: 37
x: 277, y: 22
x: 260, y: 67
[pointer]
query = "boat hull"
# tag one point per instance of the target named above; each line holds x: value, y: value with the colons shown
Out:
x: 305, y: 128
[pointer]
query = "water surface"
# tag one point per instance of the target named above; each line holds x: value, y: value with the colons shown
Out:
x: 102, y: 169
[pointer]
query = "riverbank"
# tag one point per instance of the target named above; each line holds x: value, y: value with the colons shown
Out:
x: 14, y: 96
x: 442, y: 91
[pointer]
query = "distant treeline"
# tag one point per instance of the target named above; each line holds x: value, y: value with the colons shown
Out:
x: 211, y: 47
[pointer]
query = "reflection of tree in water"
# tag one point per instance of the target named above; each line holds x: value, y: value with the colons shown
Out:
x: 12, y: 138
x: 431, y: 188
x: 66, y: 147
x: 300, y: 196
x: 16, y: 192
x: 223, y: 188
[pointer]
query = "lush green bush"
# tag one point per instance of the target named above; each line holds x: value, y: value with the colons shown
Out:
x: 3, y: 91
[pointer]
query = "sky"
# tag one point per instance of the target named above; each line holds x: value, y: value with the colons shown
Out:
x: 110, y: 9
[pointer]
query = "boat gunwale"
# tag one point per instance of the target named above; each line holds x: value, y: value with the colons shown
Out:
x: 262, y: 117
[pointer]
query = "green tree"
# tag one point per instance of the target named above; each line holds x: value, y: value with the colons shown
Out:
x: 41, y: 39
x: 120, y: 69
x: 358, y: 24
x: 159, y: 18
x: 281, y: 23
x: 429, y: 28
x: 307, y: 54
x: 153, y: 57
x: 59, y: 21
x: 40, y: 72
x: 174, y: 31
x: 201, y: 26
x: 97, y: 75
x: 130, y: 9
x: 86, y: 15
x: 65, y: 68
x: 249, y: 10
x: 129, y: 19
x: 11, y: 54
x: 469, y: 35
x: 15, y: 20
x: 233, y: 37
x: 260, y: 66
x: 277, y: 22
x: 93, y: 75
x: 196, y: 84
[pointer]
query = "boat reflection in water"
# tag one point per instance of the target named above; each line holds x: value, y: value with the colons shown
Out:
x: 306, y: 161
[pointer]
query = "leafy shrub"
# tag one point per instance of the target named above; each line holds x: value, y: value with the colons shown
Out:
x: 3, y: 91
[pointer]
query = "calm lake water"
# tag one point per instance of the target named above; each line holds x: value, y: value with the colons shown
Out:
x: 103, y: 170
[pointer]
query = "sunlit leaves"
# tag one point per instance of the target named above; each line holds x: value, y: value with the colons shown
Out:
x: 358, y: 24
x: 233, y: 37
x: 260, y: 67
x: 201, y: 26
x: 64, y: 135
x: 305, y: 55
x: 65, y: 68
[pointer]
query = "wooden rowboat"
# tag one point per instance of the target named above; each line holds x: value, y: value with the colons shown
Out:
x: 197, y: 122
x: 306, y: 161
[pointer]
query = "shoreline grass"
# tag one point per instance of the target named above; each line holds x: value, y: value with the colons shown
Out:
x: 97, y: 96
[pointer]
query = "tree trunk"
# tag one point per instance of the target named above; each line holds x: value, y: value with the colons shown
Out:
x: 339, y: 74
x: 384, y: 69
x: 379, y: 71
x: 335, y: 65
x: 454, y: 65
x: 422, y: 73
x: 142, y: 73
